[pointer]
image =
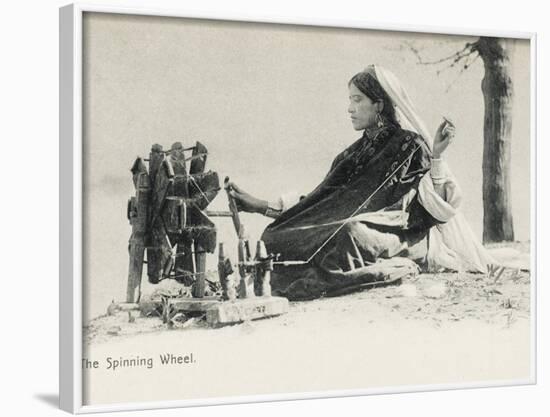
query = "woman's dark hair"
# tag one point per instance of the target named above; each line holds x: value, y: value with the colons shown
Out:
x: 369, y: 86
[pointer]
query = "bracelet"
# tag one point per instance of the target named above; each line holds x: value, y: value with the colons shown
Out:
x: 437, y: 171
x: 439, y: 181
x: 273, y: 213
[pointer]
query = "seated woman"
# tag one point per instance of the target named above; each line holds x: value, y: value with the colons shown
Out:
x: 387, y: 205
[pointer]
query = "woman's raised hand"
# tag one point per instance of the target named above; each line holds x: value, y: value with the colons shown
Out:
x: 245, y: 202
x: 443, y: 137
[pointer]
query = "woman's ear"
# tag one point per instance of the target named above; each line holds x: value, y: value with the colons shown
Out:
x: 379, y: 106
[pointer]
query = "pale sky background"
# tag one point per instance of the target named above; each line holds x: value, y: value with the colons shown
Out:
x: 270, y: 103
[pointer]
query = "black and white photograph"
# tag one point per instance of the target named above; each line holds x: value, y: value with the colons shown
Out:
x: 279, y: 210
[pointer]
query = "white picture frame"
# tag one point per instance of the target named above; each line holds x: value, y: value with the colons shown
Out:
x: 71, y: 204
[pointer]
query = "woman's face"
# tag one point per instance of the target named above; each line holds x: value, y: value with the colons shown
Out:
x: 361, y: 109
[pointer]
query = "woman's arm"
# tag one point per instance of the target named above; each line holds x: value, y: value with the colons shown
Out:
x: 283, y: 203
x: 250, y: 204
x: 438, y: 178
x: 246, y: 202
x: 444, y: 184
x: 439, y: 192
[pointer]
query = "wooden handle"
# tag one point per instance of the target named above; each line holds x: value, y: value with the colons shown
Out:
x: 239, y: 228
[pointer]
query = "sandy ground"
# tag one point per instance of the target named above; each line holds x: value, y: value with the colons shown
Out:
x: 499, y: 299
x: 433, y: 329
x: 435, y: 298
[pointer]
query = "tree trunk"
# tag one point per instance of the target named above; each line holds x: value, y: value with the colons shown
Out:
x: 497, y: 95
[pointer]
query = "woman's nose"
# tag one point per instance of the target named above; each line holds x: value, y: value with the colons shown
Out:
x: 350, y: 109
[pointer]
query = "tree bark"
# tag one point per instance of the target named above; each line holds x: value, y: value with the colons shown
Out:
x: 497, y: 94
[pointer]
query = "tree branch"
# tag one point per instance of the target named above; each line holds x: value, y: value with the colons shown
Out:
x: 466, y: 56
x: 464, y: 68
x: 458, y: 56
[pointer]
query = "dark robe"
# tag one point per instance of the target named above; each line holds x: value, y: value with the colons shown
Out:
x: 366, y: 168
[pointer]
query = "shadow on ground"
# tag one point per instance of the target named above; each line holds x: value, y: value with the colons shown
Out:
x: 50, y: 399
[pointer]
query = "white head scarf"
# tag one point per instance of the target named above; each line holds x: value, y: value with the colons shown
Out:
x: 452, y: 244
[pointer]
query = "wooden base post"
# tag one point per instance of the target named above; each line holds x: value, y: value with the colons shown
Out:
x: 246, y: 284
x: 263, y: 271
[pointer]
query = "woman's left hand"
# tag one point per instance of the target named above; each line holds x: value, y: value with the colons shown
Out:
x: 443, y: 138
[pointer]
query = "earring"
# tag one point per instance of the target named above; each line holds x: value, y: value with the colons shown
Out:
x: 379, y: 120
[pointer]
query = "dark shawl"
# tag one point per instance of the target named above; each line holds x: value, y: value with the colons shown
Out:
x: 354, y: 175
